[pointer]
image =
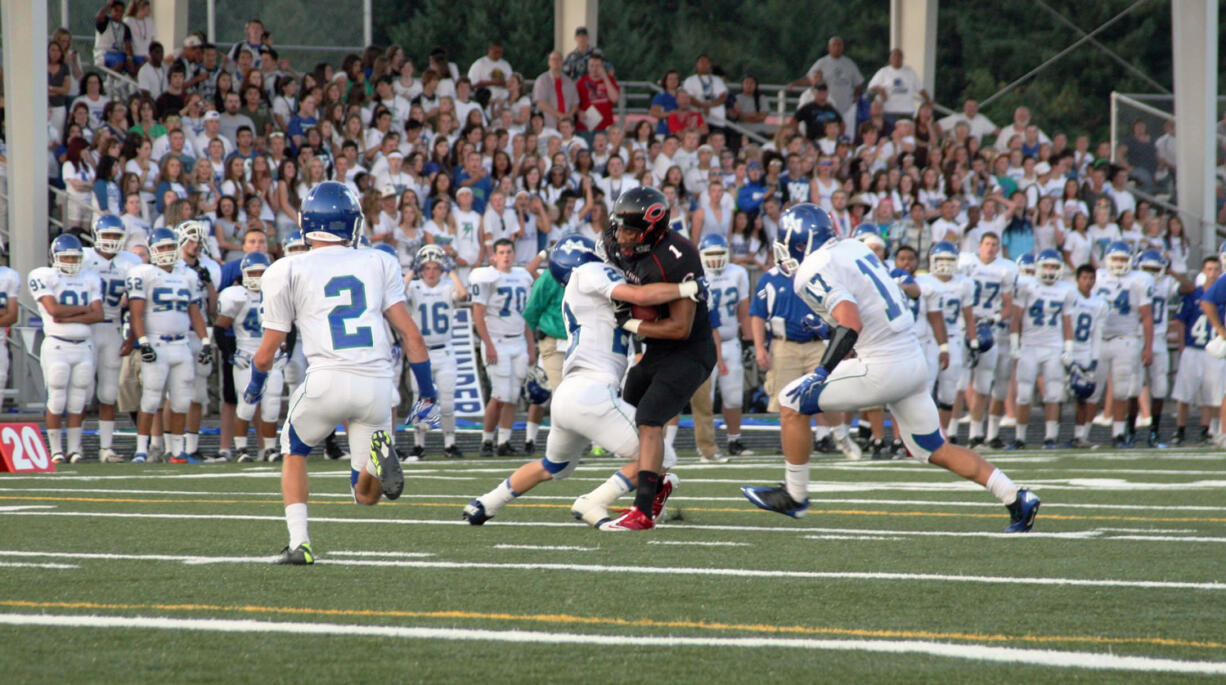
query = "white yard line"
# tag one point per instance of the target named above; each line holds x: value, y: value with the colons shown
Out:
x: 700, y: 543
x: 647, y: 570
x: 548, y: 548
x: 22, y: 564
x: 400, y: 555
x: 971, y: 652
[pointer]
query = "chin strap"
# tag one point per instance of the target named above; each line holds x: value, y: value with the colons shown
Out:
x: 842, y: 340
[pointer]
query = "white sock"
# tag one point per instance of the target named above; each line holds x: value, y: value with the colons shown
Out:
x: 191, y: 442
x: 1021, y: 430
x: 993, y: 427
x: 74, y: 439
x: 240, y: 442
x: 448, y: 426
x: 142, y: 444
x: 106, y: 434
x: 820, y: 432
x: 270, y: 443
x: 532, y: 430
x: 976, y: 429
x: 670, y: 434
x: 55, y: 441
x: 496, y: 499
x: 448, y: 439
x: 608, y: 492
x: 840, y: 431
x: 296, y: 521
x: 419, y: 437
x: 487, y: 436
x: 951, y: 430
x: 157, y: 442
x: 797, y: 481
x: 734, y: 436
x: 1117, y: 428
x: 176, y: 444
x: 504, y: 435
x: 1082, y: 431
x: 1051, y: 429
x: 1002, y: 487
x: 1215, y: 425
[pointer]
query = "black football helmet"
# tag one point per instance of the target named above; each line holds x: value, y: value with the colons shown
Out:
x: 645, y: 210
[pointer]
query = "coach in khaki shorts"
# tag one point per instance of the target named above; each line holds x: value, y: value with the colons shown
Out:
x: 543, y: 313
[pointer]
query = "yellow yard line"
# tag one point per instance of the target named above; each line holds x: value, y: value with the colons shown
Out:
x: 624, y: 622
x: 728, y: 510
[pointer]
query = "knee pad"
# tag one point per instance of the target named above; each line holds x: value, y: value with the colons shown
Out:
x: 1025, y: 393
x: 559, y: 471
x: 244, y: 411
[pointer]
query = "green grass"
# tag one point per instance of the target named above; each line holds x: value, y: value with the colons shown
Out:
x: 857, y: 525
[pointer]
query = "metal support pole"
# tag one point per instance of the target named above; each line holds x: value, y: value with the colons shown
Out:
x: 1194, y: 27
x: 211, y: 19
x: 367, y: 24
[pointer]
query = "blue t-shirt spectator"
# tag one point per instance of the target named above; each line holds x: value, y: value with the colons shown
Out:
x: 776, y: 301
x: 668, y: 103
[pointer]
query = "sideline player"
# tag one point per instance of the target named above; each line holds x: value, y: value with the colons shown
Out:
x: 595, y: 362
x: 1167, y: 291
x: 69, y: 299
x: 994, y: 279
x: 338, y: 297
x: 500, y: 294
x: 238, y: 307
x: 162, y: 299
x: 1128, y: 332
x: 728, y: 288
x: 432, y: 301
x: 956, y: 294
x: 1199, y: 378
x: 1086, y: 382
x: 108, y: 259
x: 193, y: 250
x: 680, y: 345
x: 1042, y: 343
x: 845, y: 284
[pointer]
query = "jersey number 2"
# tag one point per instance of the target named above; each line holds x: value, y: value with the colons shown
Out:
x: 338, y: 318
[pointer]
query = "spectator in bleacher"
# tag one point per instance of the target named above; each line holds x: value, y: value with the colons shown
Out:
x: 598, y: 93
x: 665, y: 101
x: 152, y: 75
x: 252, y: 42
x: 106, y: 195
x: 171, y: 100
x: 59, y: 84
x: 978, y: 125
x: 1121, y: 198
x: 813, y: 116
x: 142, y: 29
x: 488, y: 75
x: 176, y: 145
x: 554, y: 92
x: 840, y: 74
x: 576, y: 65
x: 1021, y: 119
x: 94, y: 98
x: 115, y: 119
x: 79, y: 175
x: 113, y: 39
x: 72, y: 59
x: 212, y: 130
x: 750, y: 108
x: 191, y: 59
x: 708, y: 92
x: 686, y: 117
x: 1140, y: 155
x: 898, y: 87
x: 256, y: 110
x: 171, y: 179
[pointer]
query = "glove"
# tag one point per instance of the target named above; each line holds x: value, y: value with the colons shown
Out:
x: 1066, y: 357
x: 704, y: 287
x: 203, y: 274
x: 205, y: 356
x: 973, y: 343
x: 448, y: 265
x: 147, y: 354
x: 255, y: 388
x: 241, y: 360
x: 621, y: 313
x: 808, y: 391
x: 816, y: 325
x: 396, y: 352
x: 280, y: 359
x: 424, y: 413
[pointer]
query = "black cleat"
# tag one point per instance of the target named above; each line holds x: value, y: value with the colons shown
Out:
x: 453, y: 452
x: 418, y: 453
x: 298, y: 556
x: 775, y: 499
x: 507, y: 450
x: 474, y: 513
x: 1016, y: 445
x: 332, y: 450
x: 487, y: 449
x: 953, y: 440
x: 387, y: 466
x: 975, y: 442
x: 530, y: 447
x: 825, y: 445
x: 1204, y: 438
x: 880, y: 451
x: 899, y: 449
x: 1049, y: 444
x: 737, y: 449
x: 1178, y: 439
x: 1121, y: 442
x: 996, y: 443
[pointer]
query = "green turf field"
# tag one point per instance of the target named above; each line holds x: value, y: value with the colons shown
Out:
x: 123, y: 573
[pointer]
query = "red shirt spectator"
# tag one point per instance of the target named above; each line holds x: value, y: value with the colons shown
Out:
x: 597, y: 89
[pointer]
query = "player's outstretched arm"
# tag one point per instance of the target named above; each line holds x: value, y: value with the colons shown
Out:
x: 654, y: 293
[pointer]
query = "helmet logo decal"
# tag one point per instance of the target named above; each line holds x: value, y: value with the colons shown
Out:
x: 654, y: 213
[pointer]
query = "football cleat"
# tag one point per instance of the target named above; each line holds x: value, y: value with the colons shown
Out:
x: 332, y: 449
x: 716, y: 458
x: 418, y: 453
x: 631, y: 520
x: 899, y: 449
x: 825, y: 445
x: 1023, y: 511
x: 271, y: 454
x: 106, y: 455
x: 737, y: 448
x: 975, y: 442
x: 1016, y: 445
x: 140, y: 458
x: 474, y: 513
x: 180, y: 458
x: 244, y: 456
x: 298, y: 556
x: 453, y: 452
x: 668, y: 483
x: 996, y: 443
x: 880, y: 451
x: 57, y: 458
x: 507, y: 450
x: 775, y: 499
x: 530, y: 447
x: 851, y: 451
x: 387, y: 466
x: 589, y: 512
x: 1120, y: 442
x: 1079, y: 443
x: 219, y: 458
x: 487, y: 449
x: 75, y: 458
x: 1049, y: 444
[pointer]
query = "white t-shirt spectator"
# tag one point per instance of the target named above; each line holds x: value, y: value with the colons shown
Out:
x: 903, y: 86
x: 484, y: 69
x: 467, y: 240
x: 980, y: 126
x: 841, y: 77
x: 941, y: 228
x: 152, y: 79
x: 142, y: 34
x: 1077, y: 248
x: 497, y: 226
x: 707, y: 87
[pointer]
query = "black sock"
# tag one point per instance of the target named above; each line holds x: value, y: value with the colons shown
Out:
x: 645, y: 496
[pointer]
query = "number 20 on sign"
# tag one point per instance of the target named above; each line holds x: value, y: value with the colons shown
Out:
x: 22, y: 449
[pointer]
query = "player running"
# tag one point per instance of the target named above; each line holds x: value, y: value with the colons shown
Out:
x: 338, y: 298
x: 845, y: 284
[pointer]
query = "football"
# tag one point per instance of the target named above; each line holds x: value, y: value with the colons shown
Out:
x: 645, y: 313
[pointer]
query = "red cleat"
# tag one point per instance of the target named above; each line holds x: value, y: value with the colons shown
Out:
x: 667, y: 484
x: 631, y: 520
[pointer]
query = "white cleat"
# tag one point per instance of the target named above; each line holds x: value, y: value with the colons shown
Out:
x: 588, y: 511
x: 851, y: 451
x: 106, y: 455
x: 716, y: 458
x: 76, y: 458
x: 1008, y: 422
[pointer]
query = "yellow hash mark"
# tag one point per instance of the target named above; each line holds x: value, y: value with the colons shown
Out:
x: 722, y: 510
x: 624, y: 622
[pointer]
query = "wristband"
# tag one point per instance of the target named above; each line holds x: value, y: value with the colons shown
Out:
x: 1015, y: 340
x: 206, y: 340
x: 943, y: 348
x: 1068, y: 346
x: 142, y: 340
x: 632, y: 325
x: 688, y: 288
x: 258, y: 377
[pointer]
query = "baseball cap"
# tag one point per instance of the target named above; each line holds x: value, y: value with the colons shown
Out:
x: 387, y: 191
x: 754, y: 165
x: 463, y: 190
x: 193, y: 42
x: 211, y: 115
x: 1042, y: 168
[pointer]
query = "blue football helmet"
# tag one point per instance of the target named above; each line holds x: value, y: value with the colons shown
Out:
x: 570, y: 252
x: 1152, y: 262
x: 331, y: 212
x: 1026, y: 264
x: 294, y: 243
x: 1049, y: 265
x: 713, y: 248
x: 1118, y: 258
x: 109, y: 234
x: 983, y: 333
x: 1221, y: 252
x: 363, y: 242
x: 63, y: 248
x: 869, y: 234
x: 943, y: 258
x: 384, y: 247
x: 536, y: 387
x: 803, y: 229
x: 163, y: 247
x: 252, y: 267
x: 1080, y: 382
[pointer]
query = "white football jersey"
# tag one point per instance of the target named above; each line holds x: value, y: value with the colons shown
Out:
x: 1043, y: 310
x: 595, y: 342
x: 1166, y: 299
x: 336, y: 296
x: 431, y: 309
x: 243, y: 307
x: 81, y: 289
x: 928, y: 301
x: 167, y: 296
x: 505, y: 295
x: 1088, y: 315
x: 113, y: 273
x: 847, y: 271
x: 991, y: 282
x: 1124, y: 295
x: 726, y: 292
x: 955, y: 294
x: 10, y: 290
